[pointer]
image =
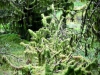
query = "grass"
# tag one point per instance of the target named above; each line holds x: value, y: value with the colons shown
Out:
x: 10, y: 43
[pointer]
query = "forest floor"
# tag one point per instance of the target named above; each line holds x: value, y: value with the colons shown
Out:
x: 10, y: 46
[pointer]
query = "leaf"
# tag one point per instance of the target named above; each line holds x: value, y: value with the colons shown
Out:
x: 59, y: 14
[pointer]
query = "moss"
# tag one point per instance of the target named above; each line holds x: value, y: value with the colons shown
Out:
x: 10, y: 43
x: 27, y: 70
x: 10, y: 38
x: 48, y: 71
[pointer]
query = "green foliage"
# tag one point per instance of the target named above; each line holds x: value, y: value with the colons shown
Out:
x: 56, y: 52
x: 90, y: 27
x: 92, y: 24
x: 9, y: 43
x: 22, y: 14
x: 10, y: 38
x: 47, y: 70
x: 27, y: 70
x: 56, y: 49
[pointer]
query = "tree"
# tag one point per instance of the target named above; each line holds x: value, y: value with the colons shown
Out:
x: 26, y: 14
x: 91, y: 27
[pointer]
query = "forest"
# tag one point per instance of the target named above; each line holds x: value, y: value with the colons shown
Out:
x: 49, y: 37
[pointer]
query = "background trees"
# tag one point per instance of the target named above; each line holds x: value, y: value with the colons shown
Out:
x: 26, y: 14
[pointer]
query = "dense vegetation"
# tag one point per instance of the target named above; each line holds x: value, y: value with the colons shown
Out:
x: 55, y: 45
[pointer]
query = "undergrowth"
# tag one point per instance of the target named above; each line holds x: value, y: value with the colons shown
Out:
x: 54, y: 49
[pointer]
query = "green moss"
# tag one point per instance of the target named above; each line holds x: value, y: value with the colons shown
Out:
x: 11, y: 43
